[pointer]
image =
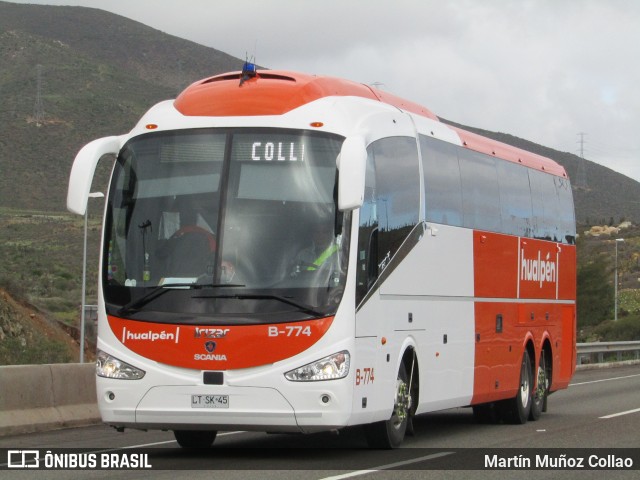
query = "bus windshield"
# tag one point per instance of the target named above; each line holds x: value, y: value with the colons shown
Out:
x: 225, y: 226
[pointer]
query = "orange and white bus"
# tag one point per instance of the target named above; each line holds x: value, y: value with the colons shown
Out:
x: 294, y: 253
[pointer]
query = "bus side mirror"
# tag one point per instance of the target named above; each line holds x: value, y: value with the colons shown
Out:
x: 352, y: 164
x: 84, y: 166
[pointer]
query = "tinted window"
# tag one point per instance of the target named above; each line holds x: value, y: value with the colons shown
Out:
x: 398, y: 192
x: 252, y: 211
x: 474, y: 190
x: 567, y: 215
x: 368, y: 234
x: 515, y: 199
x: 545, y: 201
x: 443, y: 193
x: 552, y: 207
x: 480, y: 193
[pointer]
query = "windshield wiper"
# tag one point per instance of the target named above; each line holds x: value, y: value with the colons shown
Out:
x: 162, y: 289
x: 262, y: 296
x: 153, y: 294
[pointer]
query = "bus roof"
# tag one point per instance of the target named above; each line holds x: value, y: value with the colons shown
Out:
x: 505, y: 151
x: 275, y: 93
x: 271, y: 92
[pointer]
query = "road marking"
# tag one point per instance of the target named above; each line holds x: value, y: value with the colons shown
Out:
x: 603, y: 380
x: 613, y: 415
x: 389, y: 466
x: 144, y: 445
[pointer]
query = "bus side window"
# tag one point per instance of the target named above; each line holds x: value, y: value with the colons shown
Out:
x: 398, y: 193
x: 546, y: 206
x: 515, y: 199
x: 567, y: 216
x: 442, y: 188
x: 480, y: 191
x: 368, y: 234
x: 391, y: 206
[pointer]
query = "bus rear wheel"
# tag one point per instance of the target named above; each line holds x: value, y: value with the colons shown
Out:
x: 195, y: 438
x: 542, y: 389
x: 390, y: 433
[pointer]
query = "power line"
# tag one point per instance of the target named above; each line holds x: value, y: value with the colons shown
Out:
x: 581, y: 142
x: 581, y: 174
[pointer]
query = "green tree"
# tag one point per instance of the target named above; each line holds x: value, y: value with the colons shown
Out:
x: 595, y: 300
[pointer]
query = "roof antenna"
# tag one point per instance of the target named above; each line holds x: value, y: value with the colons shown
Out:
x: 249, y: 70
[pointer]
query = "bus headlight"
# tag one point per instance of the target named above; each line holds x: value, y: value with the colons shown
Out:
x: 328, y: 368
x: 110, y: 367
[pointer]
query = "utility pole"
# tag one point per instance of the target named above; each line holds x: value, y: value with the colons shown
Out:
x: 581, y: 174
x: 38, y: 109
x: 615, y: 279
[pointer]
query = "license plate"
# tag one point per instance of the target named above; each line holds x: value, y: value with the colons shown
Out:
x: 209, y: 401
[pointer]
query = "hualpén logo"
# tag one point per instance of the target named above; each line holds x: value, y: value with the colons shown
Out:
x: 537, y: 269
x: 150, y: 335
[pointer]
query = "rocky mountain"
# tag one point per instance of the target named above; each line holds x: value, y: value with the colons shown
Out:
x: 72, y: 74
x: 27, y: 336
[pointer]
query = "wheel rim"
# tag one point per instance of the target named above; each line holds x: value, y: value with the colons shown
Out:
x: 525, y: 387
x: 542, y: 380
x: 402, y: 404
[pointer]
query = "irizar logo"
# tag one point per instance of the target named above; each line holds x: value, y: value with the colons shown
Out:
x: 211, y: 332
x: 537, y: 269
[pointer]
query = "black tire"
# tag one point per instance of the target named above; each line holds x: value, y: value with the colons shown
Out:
x: 390, y: 433
x: 516, y: 410
x: 195, y: 438
x: 539, y: 401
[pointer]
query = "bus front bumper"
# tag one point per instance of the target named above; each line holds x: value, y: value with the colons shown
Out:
x: 184, y: 407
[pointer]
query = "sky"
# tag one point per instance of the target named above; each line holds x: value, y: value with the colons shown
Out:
x: 562, y: 73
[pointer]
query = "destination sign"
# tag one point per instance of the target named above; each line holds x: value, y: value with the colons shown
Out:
x: 277, y: 152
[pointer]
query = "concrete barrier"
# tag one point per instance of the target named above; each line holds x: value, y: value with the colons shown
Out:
x: 36, y: 398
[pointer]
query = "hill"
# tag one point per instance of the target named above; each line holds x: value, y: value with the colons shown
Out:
x: 98, y: 73
x: 27, y: 336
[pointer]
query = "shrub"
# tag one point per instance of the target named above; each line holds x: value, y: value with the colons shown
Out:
x: 625, y: 329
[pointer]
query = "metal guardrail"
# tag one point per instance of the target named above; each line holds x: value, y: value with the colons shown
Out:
x: 601, y: 352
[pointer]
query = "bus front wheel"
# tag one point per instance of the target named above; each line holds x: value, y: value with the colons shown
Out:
x: 195, y: 438
x: 390, y: 433
x: 516, y: 410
